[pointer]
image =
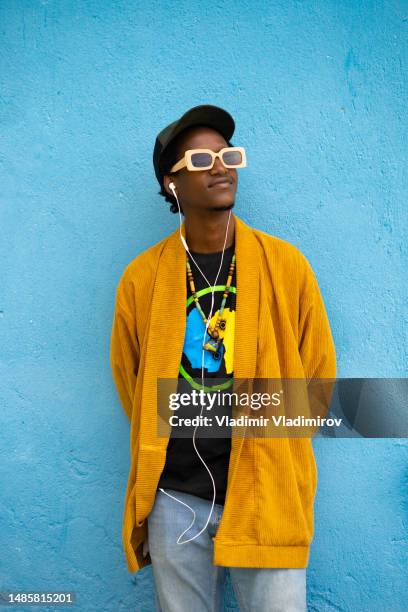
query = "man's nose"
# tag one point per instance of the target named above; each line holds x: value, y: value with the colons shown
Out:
x: 218, y: 167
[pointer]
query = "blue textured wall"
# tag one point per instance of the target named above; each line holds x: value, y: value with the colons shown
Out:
x: 319, y: 93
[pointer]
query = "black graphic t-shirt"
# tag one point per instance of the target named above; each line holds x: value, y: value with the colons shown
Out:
x: 184, y: 471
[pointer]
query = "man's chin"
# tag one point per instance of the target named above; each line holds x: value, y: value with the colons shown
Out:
x: 222, y: 207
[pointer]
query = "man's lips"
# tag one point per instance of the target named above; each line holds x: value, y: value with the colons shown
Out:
x: 221, y: 182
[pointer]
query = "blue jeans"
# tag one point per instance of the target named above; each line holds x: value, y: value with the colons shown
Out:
x: 186, y: 579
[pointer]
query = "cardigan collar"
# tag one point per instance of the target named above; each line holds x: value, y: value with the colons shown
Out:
x: 168, y: 316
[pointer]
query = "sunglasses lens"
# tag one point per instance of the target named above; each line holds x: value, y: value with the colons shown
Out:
x: 232, y: 158
x: 201, y: 160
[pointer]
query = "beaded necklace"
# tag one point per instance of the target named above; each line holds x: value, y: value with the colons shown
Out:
x: 213, y: 345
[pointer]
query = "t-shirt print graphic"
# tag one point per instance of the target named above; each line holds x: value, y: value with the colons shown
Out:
x: 216, y: 365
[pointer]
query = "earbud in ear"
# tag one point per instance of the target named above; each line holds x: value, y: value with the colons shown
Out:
x: 172, y: 186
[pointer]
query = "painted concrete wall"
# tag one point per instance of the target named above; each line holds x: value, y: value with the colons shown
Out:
x: 319, y: 93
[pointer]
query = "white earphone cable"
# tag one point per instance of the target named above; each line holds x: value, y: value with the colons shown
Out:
x: 212, y: 287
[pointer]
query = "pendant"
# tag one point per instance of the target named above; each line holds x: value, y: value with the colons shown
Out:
x: 222, y: 324
x: 211, y: 346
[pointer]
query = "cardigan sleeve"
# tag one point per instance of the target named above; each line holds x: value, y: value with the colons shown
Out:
x: 124, y: 352
x: 316, y: 345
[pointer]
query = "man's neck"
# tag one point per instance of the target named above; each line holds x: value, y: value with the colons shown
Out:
x: 207, y: 234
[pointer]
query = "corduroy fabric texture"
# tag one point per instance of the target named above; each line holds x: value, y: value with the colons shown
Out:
x: 281, y: 331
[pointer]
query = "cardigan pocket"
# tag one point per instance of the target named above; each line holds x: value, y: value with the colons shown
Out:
x: 285, y: 484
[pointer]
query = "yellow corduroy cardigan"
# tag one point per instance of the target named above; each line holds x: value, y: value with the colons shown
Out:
x: 281, y: 331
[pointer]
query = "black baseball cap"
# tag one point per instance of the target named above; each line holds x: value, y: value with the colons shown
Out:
x: 206, y: 114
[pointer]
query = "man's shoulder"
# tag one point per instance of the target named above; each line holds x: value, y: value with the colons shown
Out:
x: 279, y: 248
x: 141, y: 268
x: 146, y: 261
x: 285, y: 261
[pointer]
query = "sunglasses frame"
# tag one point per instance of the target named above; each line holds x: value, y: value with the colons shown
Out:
x: 185, y: 161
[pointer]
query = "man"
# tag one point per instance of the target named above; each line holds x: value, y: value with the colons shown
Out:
x: 252, y: 498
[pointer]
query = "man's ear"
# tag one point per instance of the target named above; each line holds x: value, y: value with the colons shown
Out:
x: 167, y: 179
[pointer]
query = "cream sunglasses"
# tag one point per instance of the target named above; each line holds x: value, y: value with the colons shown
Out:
x: 204, y: 159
